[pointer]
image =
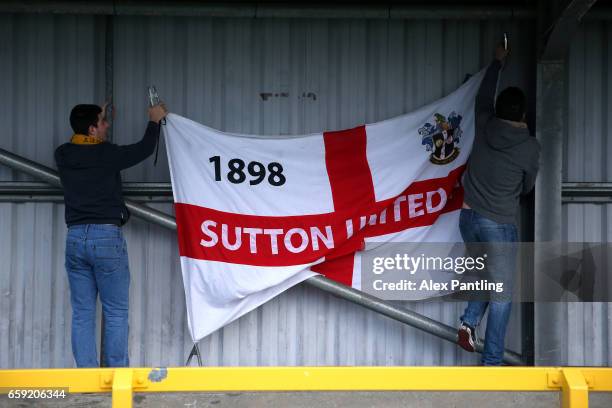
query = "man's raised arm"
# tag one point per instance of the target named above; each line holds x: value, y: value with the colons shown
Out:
x: 485, y: 99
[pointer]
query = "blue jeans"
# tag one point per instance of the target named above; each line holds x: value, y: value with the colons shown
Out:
x: 97, y: 261
x: 501, y: 261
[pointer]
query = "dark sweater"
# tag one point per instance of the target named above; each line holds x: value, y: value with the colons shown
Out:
x: 91, y: 178
x: 504, y: 160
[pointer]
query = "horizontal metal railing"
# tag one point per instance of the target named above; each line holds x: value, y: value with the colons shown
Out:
x: 573, y: 383
x: 25, y: 191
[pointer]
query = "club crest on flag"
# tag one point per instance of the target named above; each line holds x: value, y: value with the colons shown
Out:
x: 442, y: 137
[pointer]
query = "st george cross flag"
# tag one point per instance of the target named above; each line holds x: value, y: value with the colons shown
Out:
x: 256, y: 215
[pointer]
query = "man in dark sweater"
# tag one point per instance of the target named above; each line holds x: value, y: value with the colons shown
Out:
x: 502, y: 166
x: 96, y: 252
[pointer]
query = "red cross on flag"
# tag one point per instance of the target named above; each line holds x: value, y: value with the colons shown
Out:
x: 257, y: 215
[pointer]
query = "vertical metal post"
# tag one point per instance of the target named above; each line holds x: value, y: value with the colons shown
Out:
x: 550, y: 126
x: 527, y: 235
x: 123, y: 387
x: 109, y: 50
x: 556, y: 33
x: 108, y: 97
x: 574, y: 389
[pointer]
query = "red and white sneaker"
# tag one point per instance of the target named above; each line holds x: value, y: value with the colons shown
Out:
x: 466, y: 337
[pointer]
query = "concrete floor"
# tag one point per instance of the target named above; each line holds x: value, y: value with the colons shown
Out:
x: 319, y: 400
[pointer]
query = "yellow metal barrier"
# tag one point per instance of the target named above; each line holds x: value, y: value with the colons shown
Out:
x: 574, y: 383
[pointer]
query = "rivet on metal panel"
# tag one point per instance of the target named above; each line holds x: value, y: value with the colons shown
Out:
x: 140, y: 379
x: 106, y: 380
x: 554, y: 379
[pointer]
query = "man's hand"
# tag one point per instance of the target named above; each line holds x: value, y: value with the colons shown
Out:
x: 501, y: 53
x: 108, y: 111
x: 157, y: 113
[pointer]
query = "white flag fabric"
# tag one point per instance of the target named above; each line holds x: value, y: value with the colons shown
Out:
x: 256, y: 215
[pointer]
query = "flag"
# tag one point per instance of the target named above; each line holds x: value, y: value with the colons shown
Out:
x: 256, y: 215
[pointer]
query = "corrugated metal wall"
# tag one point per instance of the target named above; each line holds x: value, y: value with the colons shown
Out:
x: 328, y: 74
x: 587, y: 152
x: 47, y: 64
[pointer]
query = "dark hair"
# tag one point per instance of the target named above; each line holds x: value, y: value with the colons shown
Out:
x: 510, y: 104
x: 84, y: 116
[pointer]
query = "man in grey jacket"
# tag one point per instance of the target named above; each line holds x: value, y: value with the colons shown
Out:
x: 502, y: 166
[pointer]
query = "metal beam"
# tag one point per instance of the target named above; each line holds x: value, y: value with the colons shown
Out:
x: 129, y: 188
x: 573, y: 380
x: 563, y: 29
x: 373, y: 10
x: 160, y: 218
x: 588, y: 193
x: 270, y: 10
x: 24, y: 191
x: 550, y: 319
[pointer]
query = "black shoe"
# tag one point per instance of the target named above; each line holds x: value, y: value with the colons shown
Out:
x: 466, y: 337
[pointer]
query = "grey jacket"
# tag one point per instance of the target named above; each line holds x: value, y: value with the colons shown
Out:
x: 504, y: 159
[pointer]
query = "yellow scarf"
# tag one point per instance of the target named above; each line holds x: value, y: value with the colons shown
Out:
x: 84, y: 140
